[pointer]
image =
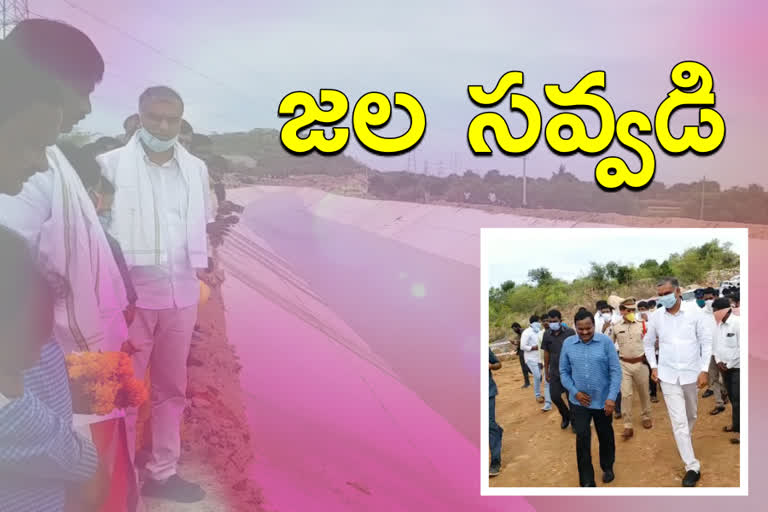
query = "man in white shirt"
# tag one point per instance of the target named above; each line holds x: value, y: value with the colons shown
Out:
x: 160, y: 218
x: 685, y: 346
x: 529, y: 344
x: 704, y: 299
x: 727, y: 355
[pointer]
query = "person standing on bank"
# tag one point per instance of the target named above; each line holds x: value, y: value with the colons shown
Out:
x: 495, y: 430
x: 160, y: 217
x: 727, y: 355
x: 628, y: 335
x: 551, y: 348
x: 685, y: 348
x: 590, y: 371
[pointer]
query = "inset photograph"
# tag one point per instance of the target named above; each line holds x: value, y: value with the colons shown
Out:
x: 614, y: 361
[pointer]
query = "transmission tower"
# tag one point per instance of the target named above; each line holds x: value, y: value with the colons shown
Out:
x: 11, y: 13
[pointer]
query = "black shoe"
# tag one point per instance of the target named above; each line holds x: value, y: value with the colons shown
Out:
x: 708, y: 393
x: 495, y: 469
x: 691, y: 477
x: 174, y: 489
x: 564, y: 424
x: 591, y: 484
x: 526, y: 385
x: 608, y: 476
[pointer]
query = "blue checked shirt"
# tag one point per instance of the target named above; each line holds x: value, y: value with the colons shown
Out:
x: 40, y: 453
x: 592, y: 368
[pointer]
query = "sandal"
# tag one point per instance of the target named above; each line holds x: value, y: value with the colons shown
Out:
x: 717, y: 410
x: 735, y: 440
x: 728, y: 428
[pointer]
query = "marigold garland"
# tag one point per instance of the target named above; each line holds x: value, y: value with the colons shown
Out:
x: 101, y: 382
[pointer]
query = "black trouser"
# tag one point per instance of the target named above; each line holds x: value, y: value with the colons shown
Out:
x: 583, y: 417
x: 495, y: 432
x: 732, y: 378
x: 651, y: 383
x: 556, y: 391
x: 524, y: 366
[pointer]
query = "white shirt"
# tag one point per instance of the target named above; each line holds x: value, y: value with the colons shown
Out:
x: 528, y: 340
x: 726, y: 345
x: 685, y: 344
x: 26, y: 212
x: 174, y: 285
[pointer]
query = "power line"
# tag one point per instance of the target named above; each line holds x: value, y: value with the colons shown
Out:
x: 153, y: 49
x: 124, y: 77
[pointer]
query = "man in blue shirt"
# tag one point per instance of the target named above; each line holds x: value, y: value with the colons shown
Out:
x: 495, y: 431
x: 591, y: 372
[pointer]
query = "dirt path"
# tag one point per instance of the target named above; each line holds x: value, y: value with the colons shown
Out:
x: 537, y: 453
x: 216, y: 440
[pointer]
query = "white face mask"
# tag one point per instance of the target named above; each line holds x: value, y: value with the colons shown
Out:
x: 153, y: 143
x: 607, y: 317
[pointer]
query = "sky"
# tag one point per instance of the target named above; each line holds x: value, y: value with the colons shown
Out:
x: 567, y: 253
x: 234, y: 61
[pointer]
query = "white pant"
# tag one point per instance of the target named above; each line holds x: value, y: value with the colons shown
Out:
x: 162, y: 338
x: 682, y: 404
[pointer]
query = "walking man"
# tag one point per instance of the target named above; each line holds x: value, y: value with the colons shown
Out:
x: 590, y: 371
x: 551, y: 348
x: 685, y: 347
x: 727, y: 355
x: 529, y: 342
x: 628, y: 335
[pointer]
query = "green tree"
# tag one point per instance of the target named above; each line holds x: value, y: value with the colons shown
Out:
x: 624, y: 274
x: 540, y: 276
x: 598, y: 275
x: 507, y: 285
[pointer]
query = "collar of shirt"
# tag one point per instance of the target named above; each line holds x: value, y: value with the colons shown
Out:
x: 3, y: 401
x: 171, y: 161
x: 577, y: 339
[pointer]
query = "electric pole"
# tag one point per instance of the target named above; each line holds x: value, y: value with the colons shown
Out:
x: 11, y: 13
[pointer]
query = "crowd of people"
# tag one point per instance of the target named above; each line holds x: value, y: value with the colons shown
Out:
x: 610, y: 357
x: 103, y: 249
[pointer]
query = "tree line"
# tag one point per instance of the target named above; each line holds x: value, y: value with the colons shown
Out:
x: 515, y: 302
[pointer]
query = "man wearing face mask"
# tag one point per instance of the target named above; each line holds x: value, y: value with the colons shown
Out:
x: 530, y: 344
x: 161, y: 217
x: 704, y: 300
x: 628, y: 335
x: 551, y: 347
x: 544, y: 319
x: 727, y: 354
x: 516, y: 344
x: 102, y: 193
x: 605, y: 326
x: 685, y: 348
